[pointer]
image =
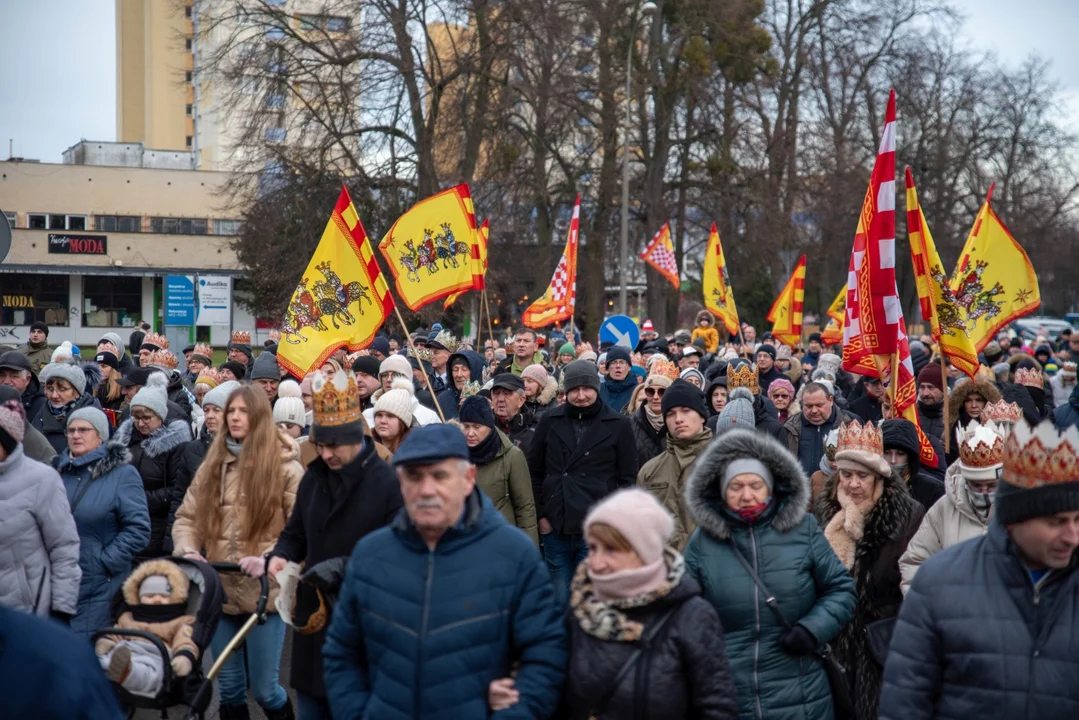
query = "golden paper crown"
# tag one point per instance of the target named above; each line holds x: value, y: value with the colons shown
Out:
x: 209, y: 376
x: 162, y: 359
x: 203, y: 350
x: 335, y: 402
x: 1069, y: 367
x: 241, y: 337
x: 981, y: 447
x: 1031, y: 377
x: 745, y: 375
x: 275, y: 335
x: 664, y: 367
x: 863, y: 438
x: 470, y: 389
x: 1003, y: 412
x: 446, y: 339
x: 158, y: 341
x: 1034, y: 457
x: 423, y: 354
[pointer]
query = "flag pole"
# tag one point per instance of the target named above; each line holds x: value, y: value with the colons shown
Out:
x: 419, y: 361
x: 944, y: 382
x: 479, y: 325
x: 486, y: 302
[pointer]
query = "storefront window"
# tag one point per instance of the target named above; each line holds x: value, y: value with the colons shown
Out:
x: 110, y: 301
x: 25, y: 299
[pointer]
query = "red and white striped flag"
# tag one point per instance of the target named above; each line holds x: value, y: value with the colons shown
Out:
x: 874, y: 332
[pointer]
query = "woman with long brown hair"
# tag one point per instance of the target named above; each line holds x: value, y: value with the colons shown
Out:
x: 393, y: 415
x: 237, y: 505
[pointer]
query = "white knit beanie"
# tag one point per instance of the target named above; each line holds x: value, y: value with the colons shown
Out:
x: 396, y: 364
x: 219, y: 396
x: 289, y: 406
x: 398, y: 401
x: 63, y: 351
x: 153, y: 396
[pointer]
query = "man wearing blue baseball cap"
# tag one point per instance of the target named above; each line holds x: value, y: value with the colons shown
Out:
x: 442, y: 601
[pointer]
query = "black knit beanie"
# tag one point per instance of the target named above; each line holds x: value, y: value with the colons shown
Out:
x: 476, y: 410
x: 684, y: 394
x: 580, y: 373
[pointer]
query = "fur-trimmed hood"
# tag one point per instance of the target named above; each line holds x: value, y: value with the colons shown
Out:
x: 99, y: 462
x: 958, y: 395
x: 177, y: 580
x: 167, y: 437
x: 548, y: 393
x: 790, y: 489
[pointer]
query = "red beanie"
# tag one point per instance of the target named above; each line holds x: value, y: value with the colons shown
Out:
x: 931, y: 374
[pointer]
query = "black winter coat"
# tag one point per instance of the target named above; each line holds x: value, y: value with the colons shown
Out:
x: 902, y: 435
x: 977, y: 639
x: 888, y: 528
x: 766, y: 418
x: 333, y: 511
x: 649, y: 441
x: 684, y: 674
x: 157, y: 458
x: 33, y: 398
x: 1067, y: 416
x: 178, y: 394
x: 55, y: 428
x: 867, y: 408
x: 190, y: 460
x: 932, y: 420
x: 521, y: 429
x: 570, y: 476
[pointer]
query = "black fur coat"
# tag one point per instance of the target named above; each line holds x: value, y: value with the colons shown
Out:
x: 888, y: 528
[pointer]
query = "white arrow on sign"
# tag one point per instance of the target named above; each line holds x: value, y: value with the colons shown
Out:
x: 623, y: 337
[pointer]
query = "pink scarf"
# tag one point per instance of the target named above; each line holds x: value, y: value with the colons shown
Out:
x: 629, y: 583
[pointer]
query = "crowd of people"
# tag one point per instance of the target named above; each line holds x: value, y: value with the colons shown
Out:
x: 692, y: 527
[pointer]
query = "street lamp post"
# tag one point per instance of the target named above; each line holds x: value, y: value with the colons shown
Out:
x: 646, y: 9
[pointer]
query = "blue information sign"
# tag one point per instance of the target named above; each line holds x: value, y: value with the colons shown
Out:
x: 179, y: 300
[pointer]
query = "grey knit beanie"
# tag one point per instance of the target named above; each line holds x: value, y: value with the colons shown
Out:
x: 219, y: 396
x: 738, y: 412
x: 69, y: 371
x: 154, y: 395
x: 95, y: 417
x: 580, y: 373
x: 265, y: 367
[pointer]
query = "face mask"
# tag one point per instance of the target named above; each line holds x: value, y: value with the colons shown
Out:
x: 982, y: 501
x: 899, y: 467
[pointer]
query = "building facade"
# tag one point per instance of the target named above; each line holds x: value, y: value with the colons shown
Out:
x: 92, y: 244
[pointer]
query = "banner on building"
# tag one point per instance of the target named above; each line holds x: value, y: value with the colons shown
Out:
x: 214, y: 300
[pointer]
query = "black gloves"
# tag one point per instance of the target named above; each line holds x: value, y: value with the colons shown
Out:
x: 798, y: 641
x: 327, y: 577
x: 61, y: 617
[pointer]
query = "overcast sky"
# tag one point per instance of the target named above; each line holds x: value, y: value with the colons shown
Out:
x: 58, y: 83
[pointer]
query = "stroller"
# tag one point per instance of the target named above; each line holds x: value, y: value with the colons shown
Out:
x: 205, y: 600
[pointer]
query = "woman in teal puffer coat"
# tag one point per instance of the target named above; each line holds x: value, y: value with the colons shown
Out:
x: 748, y: 490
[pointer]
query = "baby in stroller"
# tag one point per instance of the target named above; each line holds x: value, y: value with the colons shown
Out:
x: 156, y: 595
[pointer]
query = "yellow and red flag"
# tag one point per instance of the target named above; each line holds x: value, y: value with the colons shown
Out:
x: 479, y: 266
x: 994, y: 282
x: 429, y: 248
x: 833, y: 332
x: 718, y: 294
x: 660, y: 255
x: 558, y: 301
x: 947, y: 319
x: 342, y: 298
x: 875, y: 340
x: 786, y: 312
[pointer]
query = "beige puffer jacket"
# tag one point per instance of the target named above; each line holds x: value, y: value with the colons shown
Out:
x: 242, y: 591
x: 950, y: 521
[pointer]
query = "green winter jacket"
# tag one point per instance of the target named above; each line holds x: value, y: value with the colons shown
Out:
x: 506, y: 481
x: 795, y: 562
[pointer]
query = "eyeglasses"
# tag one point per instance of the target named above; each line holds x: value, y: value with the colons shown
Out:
x: 72, y: 431
x: 780, y: 396
x: 142, y: 418
x: 653, y: 392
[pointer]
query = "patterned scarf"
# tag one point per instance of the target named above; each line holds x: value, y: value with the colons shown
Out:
x: 605, y: 619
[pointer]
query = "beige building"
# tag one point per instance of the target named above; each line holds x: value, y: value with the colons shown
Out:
x: 94, y: 238
x: 155, y: 91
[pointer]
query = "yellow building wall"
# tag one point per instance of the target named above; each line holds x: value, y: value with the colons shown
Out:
x: 151, y: 91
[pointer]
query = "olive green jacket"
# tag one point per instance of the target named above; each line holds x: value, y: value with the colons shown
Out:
x: 665, y: 477
x: 506, y: 481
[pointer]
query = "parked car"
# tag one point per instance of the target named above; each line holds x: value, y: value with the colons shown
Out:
x: 1029, y: 327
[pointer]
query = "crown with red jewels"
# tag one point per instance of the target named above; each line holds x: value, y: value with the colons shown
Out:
x: 981, y: 447
x: 863, y: 438
x: 158, y: 341
x: 203, y: 351
x: 1031, y: 377
x: 744, y: 375
x: 1034, y: 457
x: 1003, y: 412
x: 275, y: 335
x: 335, y: 402
x: 241, y: 337
x: 209, y: 376
x: 162, y: 359
x: 1069, y: 367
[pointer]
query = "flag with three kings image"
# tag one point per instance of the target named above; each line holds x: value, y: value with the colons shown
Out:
x: 342, y: 298
x: 429, y: 248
